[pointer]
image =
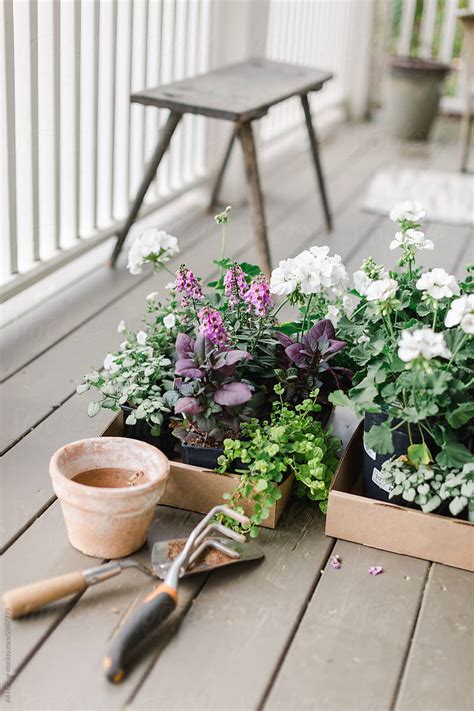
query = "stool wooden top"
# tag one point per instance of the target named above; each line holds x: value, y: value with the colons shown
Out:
x: 237, y: 92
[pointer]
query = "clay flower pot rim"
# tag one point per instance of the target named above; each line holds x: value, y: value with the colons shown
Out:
x: 405, y: 63
x: 154, y: 483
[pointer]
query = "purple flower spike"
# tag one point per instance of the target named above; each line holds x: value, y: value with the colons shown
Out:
x: 375, y: 570
x: 258, y: 296
x: 211, y: 326
x: 187, y: 284
x: 235, y: 285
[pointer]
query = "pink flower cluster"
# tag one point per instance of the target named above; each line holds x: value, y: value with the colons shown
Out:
x: 258, y: 296
x: 235, y: 284
x: 187, y: 284
x: 212, y: 327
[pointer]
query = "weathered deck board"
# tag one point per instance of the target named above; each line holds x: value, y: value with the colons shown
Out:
x: 76, y: 649
x: 439, y: 671
x: 348, y: 652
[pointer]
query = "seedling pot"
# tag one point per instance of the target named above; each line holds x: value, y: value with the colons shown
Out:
x: 141, y: 430
x: 205, y: 457
x: 373, y: 484
x: 112, y: 521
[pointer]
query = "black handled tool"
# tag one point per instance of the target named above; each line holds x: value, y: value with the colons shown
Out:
x: 162, y: 601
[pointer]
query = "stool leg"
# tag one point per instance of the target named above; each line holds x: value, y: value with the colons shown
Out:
x: 255, y: 195
x: 220, y: 175
x: 317, y: 163
x: 160, y: 150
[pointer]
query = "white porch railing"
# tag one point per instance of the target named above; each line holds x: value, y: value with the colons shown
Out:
x: 74, y: 150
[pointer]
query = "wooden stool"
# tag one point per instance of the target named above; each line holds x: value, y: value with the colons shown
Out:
x: 241, y: 93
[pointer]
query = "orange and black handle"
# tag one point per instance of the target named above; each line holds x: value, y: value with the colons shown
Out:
x: 154, y: 610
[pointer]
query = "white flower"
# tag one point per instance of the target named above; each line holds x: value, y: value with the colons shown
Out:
x: 141, y: 338
x: 461, y: 311
x: 411, y: 238
x: 382, y: 289
x: 283, y: 280
x: 152, y: 296
x: 152, y: 243
x: 363, y: 339
x: 169, y: 321
x: 409, y: 211
x: 333, y: 314
x: 109, y: 363
x: 121, y: 328
x: 361, y: 282
x: 170, y: 285
x: 310, y: 272
x: 422, y: 342
x: 349, y: 303
x: 438, y: 284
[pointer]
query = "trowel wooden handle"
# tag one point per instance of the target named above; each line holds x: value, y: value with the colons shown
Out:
x: 21, y: 601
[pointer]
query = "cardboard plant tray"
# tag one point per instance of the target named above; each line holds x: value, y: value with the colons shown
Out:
x: 197, y: 489
x: 389, y: 527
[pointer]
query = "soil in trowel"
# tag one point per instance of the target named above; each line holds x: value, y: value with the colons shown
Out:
x: 111, y: 478
x: 211, y: 557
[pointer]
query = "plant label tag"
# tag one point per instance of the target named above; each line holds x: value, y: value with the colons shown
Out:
x: 378, y: 479
x: 372, y: 454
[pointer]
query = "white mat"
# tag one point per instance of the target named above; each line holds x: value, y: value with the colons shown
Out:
x: 447, y: 197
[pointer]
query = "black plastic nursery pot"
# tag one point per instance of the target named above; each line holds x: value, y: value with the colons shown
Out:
x: 205, y: 457
x: 373, y: 484
x: 141, y: 430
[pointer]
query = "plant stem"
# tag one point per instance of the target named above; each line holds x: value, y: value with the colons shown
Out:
x: 223, y: 246
x: 305, y: 316
x: 283, y: 303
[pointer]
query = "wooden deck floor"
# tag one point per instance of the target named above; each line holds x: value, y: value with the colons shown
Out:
x: 278, y: 635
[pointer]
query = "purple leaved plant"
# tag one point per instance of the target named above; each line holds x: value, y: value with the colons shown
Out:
x: 211, y: 392
x: 306, y: 363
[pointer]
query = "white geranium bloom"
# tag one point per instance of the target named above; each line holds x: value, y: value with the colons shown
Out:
x: 319, y: 252
x: 361, y: 282
x: 411, y: 238
x: 152, y: 242
x: 307, y: 271
x: 461, y: 312
x: 363, y: 339
x: 121, y: 328
x: 283, y: 280
x: 423, y: 342
x: 141, y: 338
x: 169, y: 321
x: 408, y: 210
x: 438, y: 284
x: 109, y: 363
x: 153, y: 296
x: 333, y: 314
x: 349, y: 304
x: 382, y: 289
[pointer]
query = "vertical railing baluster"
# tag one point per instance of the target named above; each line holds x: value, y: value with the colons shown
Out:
x: 9, y: 213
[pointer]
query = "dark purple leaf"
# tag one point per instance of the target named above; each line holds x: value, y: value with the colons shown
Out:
x: 297, y: 354
x: 184, y: 345
x: 321, y: 330
x: 235, y: 356
x: 188, y: 406
x: 187, y: 368
x: 232, y: 394
x: 333, y: 347
x: 284, y: 339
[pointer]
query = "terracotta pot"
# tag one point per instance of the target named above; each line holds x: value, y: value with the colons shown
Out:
x: 108, y: 522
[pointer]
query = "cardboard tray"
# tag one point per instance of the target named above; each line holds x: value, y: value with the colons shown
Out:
x: 389, y: 527
x: 197, y: 489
